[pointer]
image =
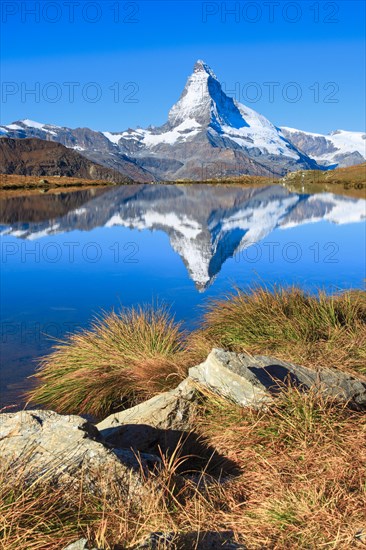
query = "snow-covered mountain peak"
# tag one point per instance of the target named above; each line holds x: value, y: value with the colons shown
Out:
x: 208, y: 134
x: 195, y: 101
x: 201, y: 66
x: 29, y: 125
x: 227, y: 122
x: 204, y: 101
x: 338, y: 148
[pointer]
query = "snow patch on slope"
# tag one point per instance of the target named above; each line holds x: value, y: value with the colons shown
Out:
x: 114, y: 138
x: 33, y: 124
x: 184, y: 131
x: 345, y: 142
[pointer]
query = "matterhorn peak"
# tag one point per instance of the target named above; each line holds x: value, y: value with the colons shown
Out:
x: 204, y: 101
x: 202, y: 67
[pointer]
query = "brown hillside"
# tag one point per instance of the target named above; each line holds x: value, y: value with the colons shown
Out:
x: 37, y: 157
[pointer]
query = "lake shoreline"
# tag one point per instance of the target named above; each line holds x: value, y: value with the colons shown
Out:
x: 344, y: 181
x: 210, y: 461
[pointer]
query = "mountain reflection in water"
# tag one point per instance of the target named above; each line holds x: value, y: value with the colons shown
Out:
x: 206, y: 225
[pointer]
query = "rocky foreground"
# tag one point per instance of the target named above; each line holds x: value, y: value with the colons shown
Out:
x: 125, y: 451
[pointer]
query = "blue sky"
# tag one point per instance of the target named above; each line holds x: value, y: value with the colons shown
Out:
x: 111, y: 65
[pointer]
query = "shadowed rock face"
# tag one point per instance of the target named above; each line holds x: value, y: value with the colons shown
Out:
x: 339, y: 148
x: 83, y: 142
x: 256, y: 380
x: 163, y: 424
x: 206, y: 225
x: 199, y: 540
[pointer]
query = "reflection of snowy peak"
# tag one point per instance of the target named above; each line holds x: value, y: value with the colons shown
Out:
x: 206, y: 225
x: 331, y: 208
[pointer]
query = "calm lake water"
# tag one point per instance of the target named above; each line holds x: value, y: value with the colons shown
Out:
x: 66, y: 257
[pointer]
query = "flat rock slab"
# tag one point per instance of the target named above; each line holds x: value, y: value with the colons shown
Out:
x: 169, y: 410
x: 66, y: 450
x: 163, y: 424
x: 81, y: 544
x: 202, y: 540
x: 255, y: 380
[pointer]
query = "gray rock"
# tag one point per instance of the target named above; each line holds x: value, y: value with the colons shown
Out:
x: 158, y: 426
x: 254, y: 381
x: 163, y: 425
x: 204, y: 540
x: 67, y: 450
x: 81, y: 544
x: 224, y: 373
x: 169, y: 410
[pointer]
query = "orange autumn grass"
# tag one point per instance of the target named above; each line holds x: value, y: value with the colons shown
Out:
x: 302, y: 485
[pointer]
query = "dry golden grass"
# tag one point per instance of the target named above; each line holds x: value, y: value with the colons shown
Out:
x: 304, y: 472
x: 349, y: 175
x: 300, y: 475
x: 350, y: 181
x: 123, y: 358
x: 16, y: 182
x: 315, y: 331
x: 40, y: 516
x: 302, y: 485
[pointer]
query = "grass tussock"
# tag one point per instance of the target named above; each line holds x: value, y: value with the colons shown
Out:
x: 128, y: 357
x: 123, y: 358
x: 300, y: 478
x: 302, y: 485
x: 315, y: 331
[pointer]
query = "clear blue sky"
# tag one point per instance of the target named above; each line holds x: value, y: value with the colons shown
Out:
x: 150, y: 47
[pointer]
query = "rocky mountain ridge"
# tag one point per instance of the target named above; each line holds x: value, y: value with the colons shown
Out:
x: 37, y: 157
x: 337, y: 149
x: 207, y: 135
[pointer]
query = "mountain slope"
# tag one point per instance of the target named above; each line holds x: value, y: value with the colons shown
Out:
x: 36, y: 157
x: 209, y: 134
x: 90, y: 144
x: 337, y: 149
